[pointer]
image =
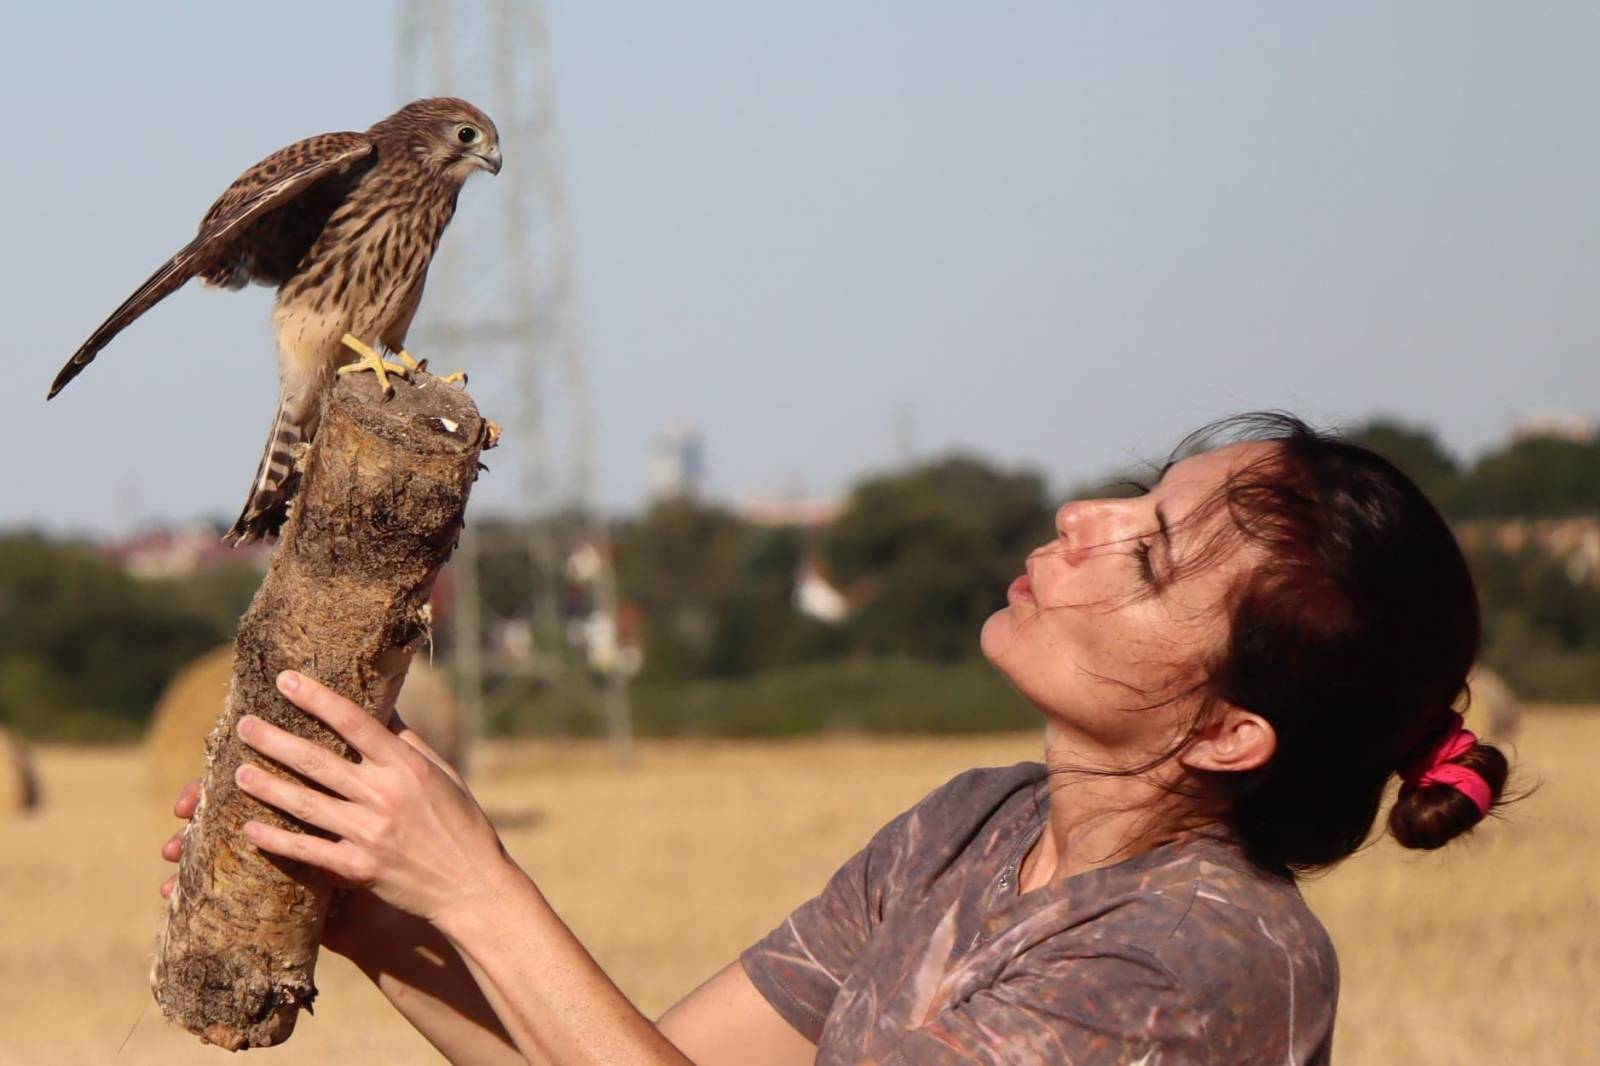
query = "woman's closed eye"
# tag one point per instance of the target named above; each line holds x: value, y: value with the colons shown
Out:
x: 1147, y: 570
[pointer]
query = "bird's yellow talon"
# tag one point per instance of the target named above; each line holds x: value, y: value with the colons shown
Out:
x: 367, y: 359
x: 418, y: 366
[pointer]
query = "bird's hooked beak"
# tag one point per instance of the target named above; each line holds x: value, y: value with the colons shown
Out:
x: 489, y: 160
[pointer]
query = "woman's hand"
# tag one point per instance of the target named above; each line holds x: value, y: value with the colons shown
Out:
x: 407, y: 829
x: 360, y: 926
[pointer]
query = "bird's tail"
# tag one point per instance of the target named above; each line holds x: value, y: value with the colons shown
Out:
x: 276, y: 478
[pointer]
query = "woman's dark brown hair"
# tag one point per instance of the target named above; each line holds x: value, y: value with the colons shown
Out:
x: 1352, y: 636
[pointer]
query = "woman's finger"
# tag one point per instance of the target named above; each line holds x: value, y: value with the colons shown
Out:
x: 305, y: 757
x: 172, y: 850
x: 168, y: 885
x: 298, y: 801
x: 359, y: 729
x: 339, y: 859
x: 188, y: 799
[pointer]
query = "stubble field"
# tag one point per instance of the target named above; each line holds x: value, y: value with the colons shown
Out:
x: 1489, y: 953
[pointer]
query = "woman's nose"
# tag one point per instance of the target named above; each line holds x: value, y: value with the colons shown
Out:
x: 1084, y: 525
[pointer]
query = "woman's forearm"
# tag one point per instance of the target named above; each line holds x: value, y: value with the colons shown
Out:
x: 424, y: 977
x: 402, y: 825
x: 554, y: 1000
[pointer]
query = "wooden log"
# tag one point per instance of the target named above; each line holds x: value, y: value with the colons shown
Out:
x: 378, y: 511
x: 175, y: 740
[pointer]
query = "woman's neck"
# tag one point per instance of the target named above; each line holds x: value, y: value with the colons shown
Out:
x: 1095, y: 820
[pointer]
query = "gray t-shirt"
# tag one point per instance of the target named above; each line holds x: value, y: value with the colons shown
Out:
x: 920, y: 950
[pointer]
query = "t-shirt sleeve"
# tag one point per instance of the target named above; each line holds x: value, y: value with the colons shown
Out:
x: 801, y: 964
x: 1118, y: 1004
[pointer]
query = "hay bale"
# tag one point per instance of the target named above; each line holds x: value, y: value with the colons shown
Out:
x: 175, y: 743
x: 1494, y: 708
x: 19, y: 784
x: 175, y: 740
x: 428, y: 704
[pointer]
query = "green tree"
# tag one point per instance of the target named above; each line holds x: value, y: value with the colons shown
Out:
x: 1532, y: 477
x: 85, y: 649
x: 758, y: 627
x: 929, y: 553
x: 1416, y: 450
x: 1541, y: 623
x: 711, y: 588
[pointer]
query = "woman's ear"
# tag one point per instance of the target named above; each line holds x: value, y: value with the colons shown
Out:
x: 1235, y: 741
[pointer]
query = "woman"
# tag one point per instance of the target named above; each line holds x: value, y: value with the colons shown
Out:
x: 1230, y: 667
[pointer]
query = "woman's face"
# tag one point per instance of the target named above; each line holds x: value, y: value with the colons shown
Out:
x: 1109, y: 624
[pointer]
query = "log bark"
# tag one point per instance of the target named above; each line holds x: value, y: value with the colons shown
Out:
x: 378, y: 511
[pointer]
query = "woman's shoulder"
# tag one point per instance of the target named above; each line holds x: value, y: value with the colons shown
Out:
x: 961, y: 821
x: 985, y: 797
x: 1223, y: 896
x: 1251, y: 951
x: 1234, y: 891
x: 983, y: 788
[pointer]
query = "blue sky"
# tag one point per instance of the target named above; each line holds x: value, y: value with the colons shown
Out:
x: 1055, y: 234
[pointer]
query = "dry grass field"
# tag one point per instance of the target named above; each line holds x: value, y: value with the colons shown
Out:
x: 1487, y: 954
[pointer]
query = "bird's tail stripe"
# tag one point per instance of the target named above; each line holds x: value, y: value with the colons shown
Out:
x: 263, y: 508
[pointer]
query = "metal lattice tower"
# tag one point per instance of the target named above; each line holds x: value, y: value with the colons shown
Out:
x: 502, y: 304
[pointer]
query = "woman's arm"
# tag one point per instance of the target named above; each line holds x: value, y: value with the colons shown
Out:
x: 728, y: 1022
x: 407, y: 830
x: 556, y: 999
x: 553, y: 998
x: 424, y: 978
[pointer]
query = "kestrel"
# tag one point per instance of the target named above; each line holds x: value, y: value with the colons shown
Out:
x: 344, y: 224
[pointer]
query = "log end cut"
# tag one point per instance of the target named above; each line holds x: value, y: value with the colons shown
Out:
x: 234, y: 1000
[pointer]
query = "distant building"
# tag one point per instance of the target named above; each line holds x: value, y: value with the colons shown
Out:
x: 790, y: 512
x: 183, y: 550
x: 1576, y: 428
x: 1574, y: 541
x: 815, y: 596
x: 585, y: 563
x: 676, y: 469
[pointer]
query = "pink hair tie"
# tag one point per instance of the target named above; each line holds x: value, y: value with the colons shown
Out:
x: 1435, y: 767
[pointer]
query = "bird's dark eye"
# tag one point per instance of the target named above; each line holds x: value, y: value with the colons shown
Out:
x: 467, y: 134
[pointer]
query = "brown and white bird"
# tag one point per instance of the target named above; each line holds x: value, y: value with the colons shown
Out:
x: 344, y: 224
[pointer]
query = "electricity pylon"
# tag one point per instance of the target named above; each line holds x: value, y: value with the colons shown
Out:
x: 502, y: 302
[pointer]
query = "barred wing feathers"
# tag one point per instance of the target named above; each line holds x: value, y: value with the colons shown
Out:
x: 258, y: 230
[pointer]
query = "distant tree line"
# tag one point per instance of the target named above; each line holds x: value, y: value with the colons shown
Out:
x: 1541, y: 620
x: 923, y: 555
x: 1534, y: 477
x: 85, y: 649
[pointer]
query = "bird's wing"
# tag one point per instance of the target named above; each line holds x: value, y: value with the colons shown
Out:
x: 222, y: 249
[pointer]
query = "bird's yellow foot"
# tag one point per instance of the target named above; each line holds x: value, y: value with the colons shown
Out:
x: 411, y: 363
x: 371, y: 360
x: 417, y: 365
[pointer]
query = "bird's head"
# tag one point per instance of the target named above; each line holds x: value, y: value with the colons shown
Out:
x: 445, y: 134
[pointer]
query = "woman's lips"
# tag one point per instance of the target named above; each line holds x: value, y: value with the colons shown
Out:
x: 1021, y: 591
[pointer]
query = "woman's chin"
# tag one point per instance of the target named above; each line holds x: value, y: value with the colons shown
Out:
x: 996, y: 635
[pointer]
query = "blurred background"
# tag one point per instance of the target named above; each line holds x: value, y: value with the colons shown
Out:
x: 801, y: 320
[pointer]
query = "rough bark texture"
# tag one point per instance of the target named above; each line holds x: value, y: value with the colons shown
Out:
x: 378, y: 510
